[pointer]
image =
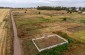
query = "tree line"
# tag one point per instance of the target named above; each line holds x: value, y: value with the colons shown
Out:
x: 51, y: 8
x: 73, y: 9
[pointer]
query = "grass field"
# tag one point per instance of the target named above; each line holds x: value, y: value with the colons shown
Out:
x: 32, y: 23
x: 81, y: 35
x: 3, y: 15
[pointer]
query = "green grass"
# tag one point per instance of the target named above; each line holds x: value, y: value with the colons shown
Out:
x: 55, y: 51
x: 31, y: 22
x: 81, y: 35
x: 82, y: 20
x: 28, y: 24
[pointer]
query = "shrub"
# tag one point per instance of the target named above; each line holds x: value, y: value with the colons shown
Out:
x: 39, y: 13
x: 64, y: 19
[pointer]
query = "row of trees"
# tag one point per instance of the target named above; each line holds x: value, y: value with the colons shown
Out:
x: 74, y: 9
x: 51, y: 8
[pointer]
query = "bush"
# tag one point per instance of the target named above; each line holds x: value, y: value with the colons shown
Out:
x: 64, y: 19
x: 39, y: 13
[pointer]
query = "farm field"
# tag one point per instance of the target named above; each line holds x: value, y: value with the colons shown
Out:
x: 32, y: 23
x: 3, y: 15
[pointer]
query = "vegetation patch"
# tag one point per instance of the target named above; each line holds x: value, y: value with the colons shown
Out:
x: 81, y: 35
x: 59, y: 49
x: 55, y: 51
x: 82, y: 20
x: 9, y: 37
x: 67, y: 19
x: 64, y: 35
x: 29, y: 46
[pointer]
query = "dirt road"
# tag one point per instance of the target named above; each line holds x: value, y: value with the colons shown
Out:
x: 17, y: 47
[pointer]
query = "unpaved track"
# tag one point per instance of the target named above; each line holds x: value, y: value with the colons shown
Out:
x: 17, y: 47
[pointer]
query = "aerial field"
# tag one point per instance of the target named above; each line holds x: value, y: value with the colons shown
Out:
x: 3, y: 15
x: 32, y: 23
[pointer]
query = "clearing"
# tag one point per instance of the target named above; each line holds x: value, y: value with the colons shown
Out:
x: 31, y: 25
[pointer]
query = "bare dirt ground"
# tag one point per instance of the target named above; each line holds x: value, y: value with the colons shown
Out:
x: 46, y: 42
x: 17, y: 47
x: 3, y: 13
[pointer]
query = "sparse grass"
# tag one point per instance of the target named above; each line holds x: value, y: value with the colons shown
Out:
x: 81, y: 35
x: 55, y: 51
x: 9, y: 37
x: 29, y: 46
x: 82, y: 20
x: 3, y: 13
x: 64, y: 35
x: 67, y: 19
x: 31, y: 24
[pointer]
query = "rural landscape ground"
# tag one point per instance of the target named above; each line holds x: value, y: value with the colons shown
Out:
x: 19, y: 26
x: 3, y: 30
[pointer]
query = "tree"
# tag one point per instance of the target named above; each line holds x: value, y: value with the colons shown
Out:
x: 83, y: 9
x: 69, y: 11
x: 80, y: 8
x: 73, y: 9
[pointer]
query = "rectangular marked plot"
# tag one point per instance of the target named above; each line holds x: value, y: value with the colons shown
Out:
x: 48, y: 42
